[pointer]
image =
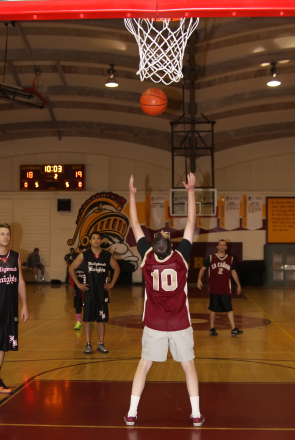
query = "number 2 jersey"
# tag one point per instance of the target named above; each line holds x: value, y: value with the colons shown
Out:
x: 166, y: 302
x: 220, y: 274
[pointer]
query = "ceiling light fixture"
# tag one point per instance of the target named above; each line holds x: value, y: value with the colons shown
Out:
x: 111, y: 82
x: 273, y: 71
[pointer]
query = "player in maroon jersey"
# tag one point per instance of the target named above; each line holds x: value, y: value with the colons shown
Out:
x: 166, y: 314
x: 221, y: 267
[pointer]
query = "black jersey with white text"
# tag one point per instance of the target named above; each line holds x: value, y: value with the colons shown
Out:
x: 9, y: 276
x: 96, y: 268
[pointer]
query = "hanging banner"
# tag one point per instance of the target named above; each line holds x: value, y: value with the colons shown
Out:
x: 255, y: 212
x: 245, y: 212
x: 148, y: 211
x: 231, y: 212
x: 222, y: 211
x: 157, y: 207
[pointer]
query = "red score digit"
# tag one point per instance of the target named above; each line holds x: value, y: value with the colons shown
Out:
x: 30, y: 175
x: 79, y: 174
x: 80, y: 184
x: 26, y: 184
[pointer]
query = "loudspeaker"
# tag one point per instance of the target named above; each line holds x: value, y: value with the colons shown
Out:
x: 64, y: 205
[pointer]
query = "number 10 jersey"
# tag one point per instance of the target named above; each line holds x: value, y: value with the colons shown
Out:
x: 166, y: 302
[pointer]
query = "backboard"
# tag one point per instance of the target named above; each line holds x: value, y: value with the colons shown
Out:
x: 206, y: 202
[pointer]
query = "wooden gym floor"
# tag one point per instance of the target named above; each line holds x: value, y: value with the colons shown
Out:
x: 247, y: 384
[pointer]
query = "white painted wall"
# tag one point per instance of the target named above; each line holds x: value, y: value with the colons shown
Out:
x: 266, y: 168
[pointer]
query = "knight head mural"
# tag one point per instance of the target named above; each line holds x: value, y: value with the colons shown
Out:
x: 102, y: 213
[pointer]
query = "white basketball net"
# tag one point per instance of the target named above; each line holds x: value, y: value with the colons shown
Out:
x: 161, y: 51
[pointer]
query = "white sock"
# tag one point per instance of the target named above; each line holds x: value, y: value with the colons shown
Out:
x: 195, y: 406
x: 133, y: 406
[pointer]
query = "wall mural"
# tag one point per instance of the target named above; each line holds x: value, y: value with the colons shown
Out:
x: 102, y: 212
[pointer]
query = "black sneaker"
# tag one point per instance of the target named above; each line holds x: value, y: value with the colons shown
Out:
x: 3, y: 388
x: 101, y: 347
x: 88, y: 348
x: 236, y: 332
x: 213, y: 332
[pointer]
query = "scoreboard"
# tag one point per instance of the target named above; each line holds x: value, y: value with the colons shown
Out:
x: 52, y: 177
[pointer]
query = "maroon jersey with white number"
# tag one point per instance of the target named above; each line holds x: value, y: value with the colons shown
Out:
x: 220, y: 274
x: 166, y: 303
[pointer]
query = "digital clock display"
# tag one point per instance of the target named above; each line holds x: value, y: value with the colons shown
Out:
x: 52, y: 177
x: 52, y: 168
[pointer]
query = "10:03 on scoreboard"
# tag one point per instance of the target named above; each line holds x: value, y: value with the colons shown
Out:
x: 56, y: 177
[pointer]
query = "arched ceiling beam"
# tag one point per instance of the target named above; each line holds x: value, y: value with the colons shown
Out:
x: 208, y: 107
x: 141, y: 136
x: 76, y: 56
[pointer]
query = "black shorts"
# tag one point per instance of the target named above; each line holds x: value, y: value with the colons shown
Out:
x: 9, y: 337
x: 220, y: 303
x: 39, y: 266
x: 92, y: 312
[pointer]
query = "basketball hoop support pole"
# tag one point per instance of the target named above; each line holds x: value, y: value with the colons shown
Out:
x: 203, y: 131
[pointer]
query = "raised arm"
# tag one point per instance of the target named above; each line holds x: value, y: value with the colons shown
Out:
x: 191, y: 210
x: 137, y: 231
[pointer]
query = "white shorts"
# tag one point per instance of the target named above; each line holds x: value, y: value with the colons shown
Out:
x: 155, y: 345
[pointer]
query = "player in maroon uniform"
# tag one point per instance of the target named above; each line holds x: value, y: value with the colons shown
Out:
x: 221, y: 267
x: 11, y: 284
x: 166, y: 314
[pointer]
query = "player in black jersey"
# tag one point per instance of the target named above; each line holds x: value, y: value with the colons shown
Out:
x: 95, y: 264
x: 11, y: 283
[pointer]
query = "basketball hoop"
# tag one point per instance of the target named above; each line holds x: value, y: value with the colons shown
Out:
x: 161, y: 50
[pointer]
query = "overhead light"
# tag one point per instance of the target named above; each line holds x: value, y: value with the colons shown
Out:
x: 265, y: 64
x: 284, y: 61
x: 273, y: 71
x: 111, y: 82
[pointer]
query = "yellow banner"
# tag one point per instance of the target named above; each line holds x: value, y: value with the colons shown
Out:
x: 148, y: 211
x: 245, y: 212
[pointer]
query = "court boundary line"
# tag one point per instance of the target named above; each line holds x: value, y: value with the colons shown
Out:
x: 144, y: 427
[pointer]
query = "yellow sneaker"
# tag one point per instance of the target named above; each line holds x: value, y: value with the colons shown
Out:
x: 78, y: 326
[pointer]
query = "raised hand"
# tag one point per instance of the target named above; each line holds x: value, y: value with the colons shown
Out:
x: 191, y: 181
x: 131, y: 186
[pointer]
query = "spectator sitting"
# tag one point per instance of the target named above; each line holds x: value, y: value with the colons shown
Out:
x: 33, y: 262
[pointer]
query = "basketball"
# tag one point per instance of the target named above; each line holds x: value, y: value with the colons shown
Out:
x: 153, y: 102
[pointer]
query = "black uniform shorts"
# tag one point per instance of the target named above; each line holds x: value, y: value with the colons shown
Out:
x: 94, y: 312
x: 220, y: 303
x: 9, y: 336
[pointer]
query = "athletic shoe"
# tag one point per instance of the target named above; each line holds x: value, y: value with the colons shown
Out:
x: 3, y: 388
x: 198, y: 421
x: 213, y: 332
x: 88, y: 349
x: 102, y: 348
x: 42, y: 279
x: 36, y: 278
x: 236, y: 331
x: 78, y: 326
x: 130, y: 421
